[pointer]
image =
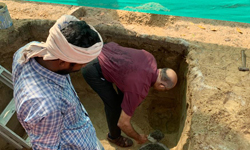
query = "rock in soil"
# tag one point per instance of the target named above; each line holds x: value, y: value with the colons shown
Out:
x: 158, y: 135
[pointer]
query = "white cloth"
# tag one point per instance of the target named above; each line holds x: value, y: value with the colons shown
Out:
x: 57, y: 47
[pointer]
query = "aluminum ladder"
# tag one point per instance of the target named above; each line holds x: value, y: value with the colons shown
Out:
x: 7, y: 134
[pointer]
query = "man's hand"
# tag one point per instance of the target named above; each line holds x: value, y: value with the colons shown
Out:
x: 142, y: 139
x: 125, y: 125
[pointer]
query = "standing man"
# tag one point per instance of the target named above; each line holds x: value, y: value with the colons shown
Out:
x: 133, y: 72
x: 47, y: 104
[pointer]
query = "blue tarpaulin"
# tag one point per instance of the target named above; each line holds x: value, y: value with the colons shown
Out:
x: 227, y: 10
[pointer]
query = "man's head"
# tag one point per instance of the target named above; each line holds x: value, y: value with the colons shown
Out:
x: 70, y: 45
x: 166, y: 79
x: 80, y: 34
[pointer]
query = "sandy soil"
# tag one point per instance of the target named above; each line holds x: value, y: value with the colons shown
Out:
x: 217, y: 94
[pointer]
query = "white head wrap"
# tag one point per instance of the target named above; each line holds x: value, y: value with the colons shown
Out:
x: 57, y: 47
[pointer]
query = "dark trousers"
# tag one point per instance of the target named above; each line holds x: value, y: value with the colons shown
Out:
x: 112, y: 99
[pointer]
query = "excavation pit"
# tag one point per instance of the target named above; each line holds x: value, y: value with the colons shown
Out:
x: 164, y: 111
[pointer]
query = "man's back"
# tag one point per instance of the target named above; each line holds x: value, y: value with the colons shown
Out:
x: 49, y: 109
x: 133, y: 71
x: 122, y: 65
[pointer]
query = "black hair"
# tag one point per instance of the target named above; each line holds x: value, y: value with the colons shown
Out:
x: 165, y: 77
x: 80, y: 34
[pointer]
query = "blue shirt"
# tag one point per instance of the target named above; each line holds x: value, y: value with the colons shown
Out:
x: 49, y: 109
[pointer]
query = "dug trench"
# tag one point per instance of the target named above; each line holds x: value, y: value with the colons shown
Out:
x: 164, y: 111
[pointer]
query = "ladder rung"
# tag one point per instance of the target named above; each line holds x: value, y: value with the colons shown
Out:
x: 10, y: 140
x: 6, y: 77
x: 7, y: 132
x: 8, y: 112
x: 28, y: 140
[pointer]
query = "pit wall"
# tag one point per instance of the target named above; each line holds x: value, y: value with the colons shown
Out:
x: 168, y: 52
x: 165, y: 111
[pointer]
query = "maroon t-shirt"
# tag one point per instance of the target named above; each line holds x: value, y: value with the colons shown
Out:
x: 133, y: 72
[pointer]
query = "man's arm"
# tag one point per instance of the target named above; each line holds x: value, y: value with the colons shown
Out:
x: 44, y: 129
x: 125, y: 125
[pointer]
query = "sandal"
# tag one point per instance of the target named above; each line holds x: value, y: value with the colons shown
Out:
x: 121, y: 141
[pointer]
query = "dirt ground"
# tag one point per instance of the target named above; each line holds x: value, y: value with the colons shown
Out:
x: 218, y: 110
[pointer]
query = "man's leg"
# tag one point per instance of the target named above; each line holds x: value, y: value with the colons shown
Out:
x: 112, y: 100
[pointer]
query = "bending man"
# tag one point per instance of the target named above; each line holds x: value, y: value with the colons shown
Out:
x: 133, y: 72
x: 47, y: 105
